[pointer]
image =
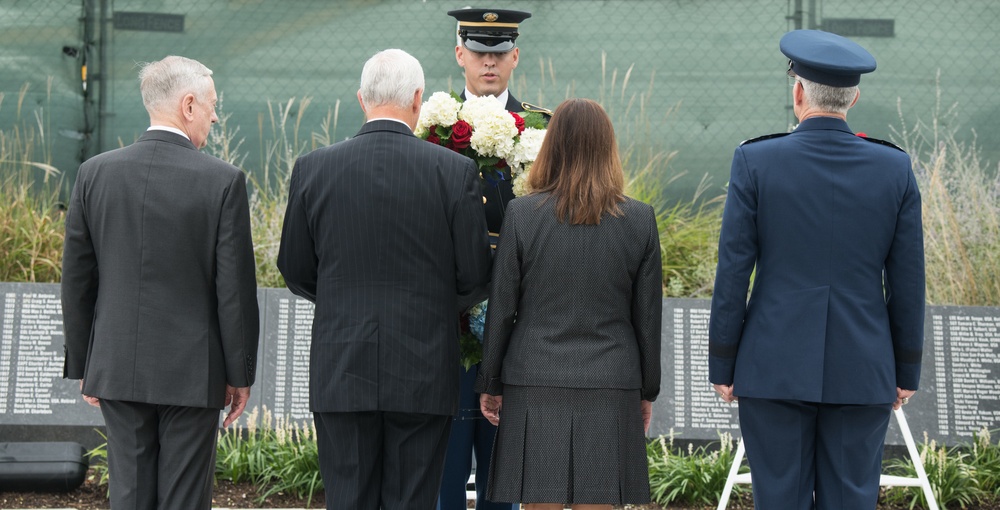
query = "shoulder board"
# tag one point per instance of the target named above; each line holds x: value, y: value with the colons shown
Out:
x: 765, y: 137
x: 882, y: 142
x: 528, y: 107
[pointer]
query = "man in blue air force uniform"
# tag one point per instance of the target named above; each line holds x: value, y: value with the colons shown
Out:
x: 487, y: 51
x: 831, y: 338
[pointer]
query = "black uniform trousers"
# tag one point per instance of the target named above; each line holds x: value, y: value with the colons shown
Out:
x: 375, y: 459
x: 160, y: 457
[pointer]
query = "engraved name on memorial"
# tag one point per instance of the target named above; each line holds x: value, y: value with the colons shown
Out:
x: 32, y: 390
x: 285, y: 354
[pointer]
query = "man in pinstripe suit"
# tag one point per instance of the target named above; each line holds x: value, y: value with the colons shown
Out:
x: 385, y: 233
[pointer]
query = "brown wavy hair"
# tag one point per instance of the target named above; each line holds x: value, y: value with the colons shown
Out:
x: 578, y: 164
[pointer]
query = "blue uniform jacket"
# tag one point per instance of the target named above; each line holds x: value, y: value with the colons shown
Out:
x: 831, y: 222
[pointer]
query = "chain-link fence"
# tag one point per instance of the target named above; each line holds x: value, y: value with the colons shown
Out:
x: 692, y: 76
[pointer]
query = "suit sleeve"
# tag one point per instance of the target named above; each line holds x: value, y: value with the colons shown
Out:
x: 904, y: 272
x: 647, y: 310
x: 470, y: 237
x: 79, y: 283
x: 236, y: 286
x: 297, y: 254
x: 502, y: 310
x: 737, y: 256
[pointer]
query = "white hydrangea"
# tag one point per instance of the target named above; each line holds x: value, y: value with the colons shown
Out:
x: 439, y: 110
x: 493, y: 133
x: 520, y: 183
x: 475, y: 108
x: 526, y: 149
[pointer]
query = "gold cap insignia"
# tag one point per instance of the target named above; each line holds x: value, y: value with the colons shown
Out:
x: 490, y: 17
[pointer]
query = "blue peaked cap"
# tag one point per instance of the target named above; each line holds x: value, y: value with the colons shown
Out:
x: 826, y: 58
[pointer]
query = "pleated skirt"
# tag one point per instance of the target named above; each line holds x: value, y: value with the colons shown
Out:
x: 572, y: 446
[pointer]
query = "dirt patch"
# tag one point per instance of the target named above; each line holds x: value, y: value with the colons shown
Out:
x: 90, y: 496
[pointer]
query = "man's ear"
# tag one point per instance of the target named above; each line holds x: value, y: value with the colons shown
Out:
x: 517, y: 52
x: 418, y: 97
x: 857, y: 95
x: 361, y: 102
x: 187, y: 106
x: 798, y: 93
x: 460, y: 56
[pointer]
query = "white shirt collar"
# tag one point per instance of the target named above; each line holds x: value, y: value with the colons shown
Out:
x: 389, y: 118
x: 502, y: 97
x: 169, y: 128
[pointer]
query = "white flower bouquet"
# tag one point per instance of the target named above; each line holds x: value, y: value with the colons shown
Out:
x: 481, y: 129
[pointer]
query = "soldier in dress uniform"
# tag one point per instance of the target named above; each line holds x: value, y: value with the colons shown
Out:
x: 832, y: 336
x: 487, y: 51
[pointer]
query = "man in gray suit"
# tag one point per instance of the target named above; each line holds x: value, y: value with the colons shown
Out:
x: 159, y: 294
x: 385, y: 233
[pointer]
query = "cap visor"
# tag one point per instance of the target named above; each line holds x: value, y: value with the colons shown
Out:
x: 478, y: 47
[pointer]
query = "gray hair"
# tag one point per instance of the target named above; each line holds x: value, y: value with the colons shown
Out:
x: 171, y: 78
x: 391, y: 77
x: 827, y: 98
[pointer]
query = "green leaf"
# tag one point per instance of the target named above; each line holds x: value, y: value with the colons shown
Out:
x: 470, y: 350
x: 486, y: 162
x: 534, y: 120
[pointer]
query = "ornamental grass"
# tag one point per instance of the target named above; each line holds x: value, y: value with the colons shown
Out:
x: 961, y: 192
x: 961, y: 209
x: 31, y: 214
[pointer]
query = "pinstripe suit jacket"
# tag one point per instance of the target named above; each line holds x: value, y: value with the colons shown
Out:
x: 385, y: 233
x: 158, y: 289
x: 574, y: 306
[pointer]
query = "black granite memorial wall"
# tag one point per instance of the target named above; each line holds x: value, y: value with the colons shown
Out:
x: 961, y: 361
x: 961, y: 358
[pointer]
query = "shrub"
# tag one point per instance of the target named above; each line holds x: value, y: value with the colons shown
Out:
x: 696, y: 476
x: 950, y: 472
x: 277, y: 456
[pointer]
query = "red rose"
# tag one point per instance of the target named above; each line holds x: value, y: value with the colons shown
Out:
x: 501, y: 164
x: 461, y: 134
x: 862, y: 135
x: 518, y: 122
x: 432, y: 135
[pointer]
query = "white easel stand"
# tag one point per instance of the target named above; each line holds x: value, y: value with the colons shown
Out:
x: 885, y: 480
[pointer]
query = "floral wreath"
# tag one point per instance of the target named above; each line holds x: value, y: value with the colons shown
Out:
x: 495, y: 139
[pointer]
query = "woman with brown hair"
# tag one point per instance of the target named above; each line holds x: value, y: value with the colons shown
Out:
x: 571, y: 355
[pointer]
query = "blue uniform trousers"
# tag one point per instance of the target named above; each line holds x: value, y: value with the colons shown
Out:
x: 470, y: 433
x: 812, y: 456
